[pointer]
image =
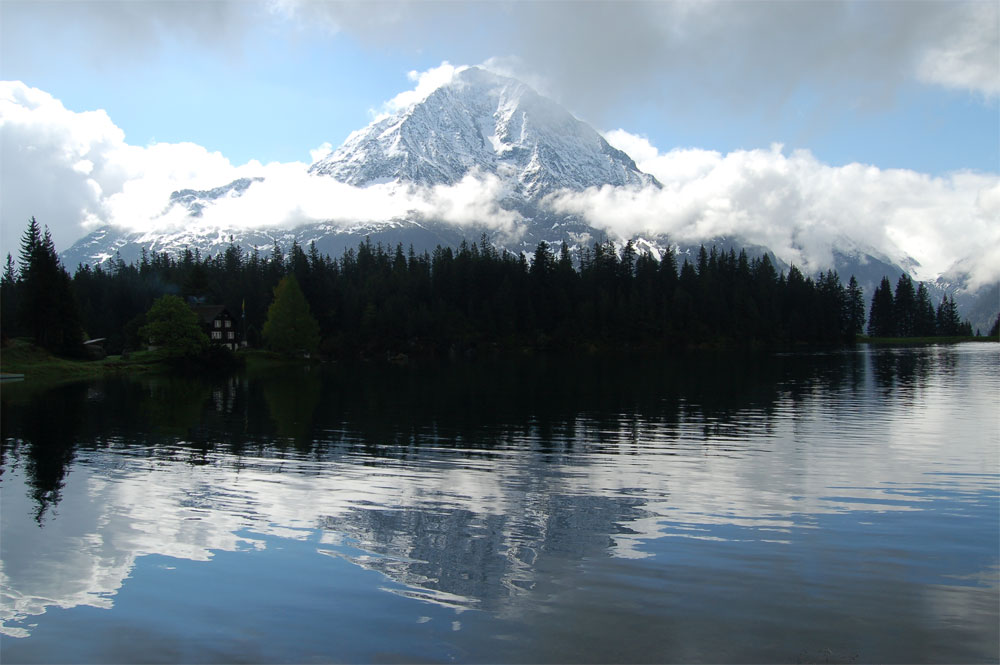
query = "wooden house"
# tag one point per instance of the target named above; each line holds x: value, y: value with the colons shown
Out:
x: 220, y: 326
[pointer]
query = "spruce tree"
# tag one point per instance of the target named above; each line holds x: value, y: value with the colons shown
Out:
x: 924, y: 324
x: 948, y: 323
x: 881, y: 319
x: 904, y: 307
x: 8, y: 300
x: 855, y: 307
x: 47, y: 308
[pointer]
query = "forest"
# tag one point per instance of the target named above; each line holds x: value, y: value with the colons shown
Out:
x: 379, y: 300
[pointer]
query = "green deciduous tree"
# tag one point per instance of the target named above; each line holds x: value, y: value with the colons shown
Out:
x: 174, y: 326
x: 290, y: 326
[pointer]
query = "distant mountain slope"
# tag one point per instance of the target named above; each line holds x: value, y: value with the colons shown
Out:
x: 490, y: 123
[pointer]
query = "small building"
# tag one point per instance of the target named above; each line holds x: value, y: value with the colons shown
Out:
x: 219, y: 325
x: 94, y: 348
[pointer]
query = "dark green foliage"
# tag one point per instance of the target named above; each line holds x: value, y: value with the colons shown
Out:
x: 905, y: 308
x: 882, y: 317
x: 856, y: 306
x: 948, y: 323
x: 374, y: 299
x: 290, y: 327
x: 8, y: 300
x: 925, y: 321
x: 995, y: 330
x: 174, y: 327
x: 47, y: 309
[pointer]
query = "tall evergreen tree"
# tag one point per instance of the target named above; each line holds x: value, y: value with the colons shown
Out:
x: 904, y: 309
x: 8, y: 299
x: 47, y: 307
x: 948, y: 323
x: 881, y: 319
x: 924, y: 324
x: 855, y: 307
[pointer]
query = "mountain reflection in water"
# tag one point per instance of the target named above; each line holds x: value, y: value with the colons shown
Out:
x: 791, y: 498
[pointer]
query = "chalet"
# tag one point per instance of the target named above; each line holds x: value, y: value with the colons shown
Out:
x: 219, y: 325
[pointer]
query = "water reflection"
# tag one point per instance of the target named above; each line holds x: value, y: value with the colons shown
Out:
x: 494, y: 487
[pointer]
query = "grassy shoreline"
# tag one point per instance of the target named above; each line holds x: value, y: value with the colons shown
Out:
x: 21, y: 357
x: 37, y: 365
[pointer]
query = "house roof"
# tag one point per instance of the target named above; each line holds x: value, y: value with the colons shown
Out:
x: 208, y: 313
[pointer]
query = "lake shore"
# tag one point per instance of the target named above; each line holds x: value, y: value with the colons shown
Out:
x: 21, y: 360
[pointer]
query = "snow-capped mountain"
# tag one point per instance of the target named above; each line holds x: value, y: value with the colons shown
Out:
x: 490, y: 123
x: 480, y: 123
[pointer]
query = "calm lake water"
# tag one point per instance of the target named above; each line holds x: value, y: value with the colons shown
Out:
x: 827, y: 507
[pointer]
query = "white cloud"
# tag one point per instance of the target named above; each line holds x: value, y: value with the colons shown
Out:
x: 289, y: 197
x: 74, y: 171
x: 71, y: 169
x: 752, y: 54
x: 427, y: 82
x: 800, y: 207
x: 967, y: 57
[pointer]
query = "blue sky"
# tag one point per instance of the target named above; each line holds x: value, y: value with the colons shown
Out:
x: 274, y: 83
x: 897, y: 85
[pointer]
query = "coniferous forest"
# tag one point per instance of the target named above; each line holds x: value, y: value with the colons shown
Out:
x: 375, y: 299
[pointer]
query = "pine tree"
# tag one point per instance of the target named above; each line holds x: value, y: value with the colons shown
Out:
x: 948, y: 323
x: 290, y: 327
x: 47, y: 308
x: 904, y: 307
x: 924, y: 324
x: 855, y: 307
x: 881, y: 319
x: 8, y: 299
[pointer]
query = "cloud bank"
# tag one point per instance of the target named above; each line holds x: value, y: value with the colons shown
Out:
x: 801, y: 208
x: 747, y: 53
x: 74, y: 171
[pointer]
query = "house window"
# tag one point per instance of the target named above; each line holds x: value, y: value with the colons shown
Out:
x: 218, y: 323
x: 231, y: 335
x: 216, y: 334
x: 229, y: 323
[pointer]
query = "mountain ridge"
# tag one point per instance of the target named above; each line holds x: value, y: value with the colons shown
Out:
x: 479, y: 123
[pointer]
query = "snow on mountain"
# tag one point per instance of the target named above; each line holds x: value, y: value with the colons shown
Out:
x: 484, y: 121
x: 477, y: 123
x: 196, y: 200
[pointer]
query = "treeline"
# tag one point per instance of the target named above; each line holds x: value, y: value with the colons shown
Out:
x: 375, y: 299
x: 909, y: 312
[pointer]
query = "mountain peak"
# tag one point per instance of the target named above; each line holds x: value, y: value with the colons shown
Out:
x: 482, y: 122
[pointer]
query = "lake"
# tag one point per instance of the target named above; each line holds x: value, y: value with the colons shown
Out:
x: 822, y: 507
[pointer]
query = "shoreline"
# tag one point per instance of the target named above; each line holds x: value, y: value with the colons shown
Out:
x: 21, y: 362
